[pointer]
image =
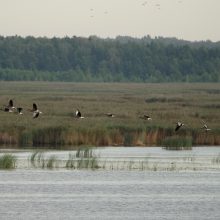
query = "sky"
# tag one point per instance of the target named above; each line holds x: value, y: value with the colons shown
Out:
x: 192, y: 20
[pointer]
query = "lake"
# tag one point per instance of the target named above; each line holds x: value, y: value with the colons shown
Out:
x: 125, y: 158
x: 117, y: 192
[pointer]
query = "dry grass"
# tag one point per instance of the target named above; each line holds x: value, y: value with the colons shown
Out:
x: 165, y: 103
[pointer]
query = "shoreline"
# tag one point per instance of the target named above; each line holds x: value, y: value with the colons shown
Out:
x: 52, y: 138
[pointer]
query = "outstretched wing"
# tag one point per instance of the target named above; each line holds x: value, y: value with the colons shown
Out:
x: 177, y: 127
x: 10, y: 104
x: 6, y: 109
x: 34, y: 107
x: 78, y: 114
x: 204, y: 125
x: 36, y: 114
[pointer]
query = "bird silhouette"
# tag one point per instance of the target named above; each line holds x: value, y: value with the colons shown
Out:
x: 205, y: 127
x: 146, y: 117
x: 178, y: 125
x: 10, y: 107
x: 19, y: 111
x: 78, y: 114
x: 110, y: 115
x: 35, y: 111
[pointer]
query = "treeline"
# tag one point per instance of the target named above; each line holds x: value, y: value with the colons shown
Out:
x: 122, y: 59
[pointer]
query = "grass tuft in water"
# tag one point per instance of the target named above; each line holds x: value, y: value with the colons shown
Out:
x: 52, y: 162
x: 71, y: 162
x: 216, y: 160
x: 83, y: 159
x: 177, y: 143
x: 38, y: 160
x: 33, y: 158
x: 86, y: 159
x: 7, y: 161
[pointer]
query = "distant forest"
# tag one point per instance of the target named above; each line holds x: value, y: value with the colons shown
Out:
x: 122, y: 59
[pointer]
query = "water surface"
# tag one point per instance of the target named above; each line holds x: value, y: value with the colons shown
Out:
x: 33, y: 193
x: 142, y: 158
x: 85, y: 194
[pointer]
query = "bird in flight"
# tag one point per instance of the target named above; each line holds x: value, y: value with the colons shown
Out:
x: 205, y: 127
x: 178, y: 125
x: 10, y: 107
x: 78, y: 114
x: 110, y: 115
x: 19, y: 111
x: 146, y: 117
x: 35, y: 111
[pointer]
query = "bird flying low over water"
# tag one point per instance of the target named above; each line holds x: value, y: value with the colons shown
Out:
x: 10, y: 107
x: 35, y: 111
x: 178, y: 125
x: 205, y: 127
x: 78, y: 114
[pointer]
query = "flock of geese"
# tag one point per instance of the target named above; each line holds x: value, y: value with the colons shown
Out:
x: 36, y: 112
x: 11, y: 108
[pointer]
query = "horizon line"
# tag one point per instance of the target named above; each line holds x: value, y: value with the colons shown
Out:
x: 111, y: 37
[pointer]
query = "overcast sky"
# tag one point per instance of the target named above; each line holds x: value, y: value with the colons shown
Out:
x: 184, y: 19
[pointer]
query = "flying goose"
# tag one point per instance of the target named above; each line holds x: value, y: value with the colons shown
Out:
x: 205, y: 127
x: 35, y: 111
x: 146, y: 117
x: 19, y: 111
x: 10, y: 107
x: 78, y: 114
x: 178, y: 125
x: 110, y: 115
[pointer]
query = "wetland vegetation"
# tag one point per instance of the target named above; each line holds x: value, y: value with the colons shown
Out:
x: 57, y: 127
x: 7, y: 161
x: 177, y: 143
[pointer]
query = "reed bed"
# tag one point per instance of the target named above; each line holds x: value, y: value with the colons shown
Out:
x: 177, y: 143
x: 83, y: 159
x: 86, y: 158
x: 52, y: 162
x: 56, y: 127
x: 7, y: 161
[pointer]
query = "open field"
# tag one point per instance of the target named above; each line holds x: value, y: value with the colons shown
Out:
x: 165, y: 103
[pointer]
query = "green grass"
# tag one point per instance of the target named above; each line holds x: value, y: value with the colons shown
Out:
x: 56, y: 127
x: 7, y: 161
x: 33, y: 158
x: 38, y: 160
x: 177, y: 143
x: 83, y: 159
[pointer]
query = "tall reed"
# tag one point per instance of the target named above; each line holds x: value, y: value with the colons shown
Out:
x: 7, y: 161
x: 177, y: 143
x: 83, y: 159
